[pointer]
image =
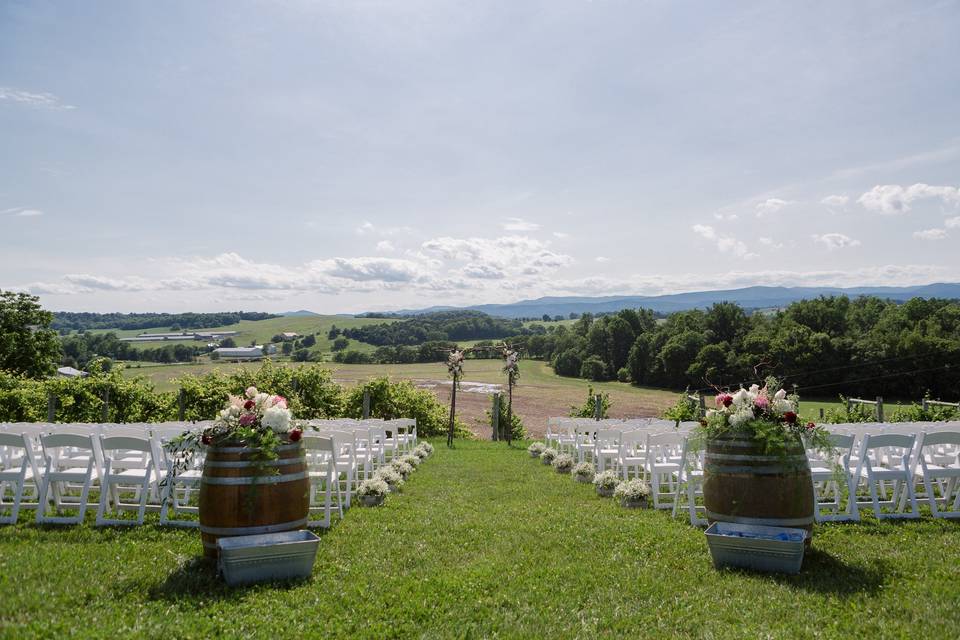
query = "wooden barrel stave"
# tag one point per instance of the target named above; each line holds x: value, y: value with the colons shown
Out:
x: 742, y: 484
x: 237, y: 499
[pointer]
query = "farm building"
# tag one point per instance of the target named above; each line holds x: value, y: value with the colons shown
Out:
x: 239, y: 353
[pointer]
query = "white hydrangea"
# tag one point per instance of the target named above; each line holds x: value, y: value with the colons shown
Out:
x: 277, y: 419
x: 740, y: 416
x: 780, y: 395
x: 782, y: 406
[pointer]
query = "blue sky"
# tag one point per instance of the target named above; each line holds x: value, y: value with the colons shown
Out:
x: 350, y: 156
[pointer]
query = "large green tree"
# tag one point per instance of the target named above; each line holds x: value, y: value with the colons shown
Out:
x: 28, y: 345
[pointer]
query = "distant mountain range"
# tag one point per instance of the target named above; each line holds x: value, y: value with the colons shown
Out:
x: 749, y: 298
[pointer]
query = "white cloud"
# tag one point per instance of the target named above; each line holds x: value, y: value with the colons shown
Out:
x: 22, y: 212
x: 369, y: 228
x: 366, y: 227
x: 727, y: 217
x: 561, y: 235
x: 602, y: 259
x: 385, y: 246
x: 369, y: 269
x: 771, y: 206
x: 835, y: 202
x: 726, y: 244
x: 31, y: 99
x: 770, y: 242
x: 519, y: 224
x: 483, y: 272
x: 893, y: 199
x: 833, y: 241
x: 930, y: 234
x: 952, y: 223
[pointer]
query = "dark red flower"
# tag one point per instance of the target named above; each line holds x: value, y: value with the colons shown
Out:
x: 295, y: 435
x: 727, y: 400
x: 249, y: 404
x: 206, y: 439
x: 811, y: 425
x: 790, y: 417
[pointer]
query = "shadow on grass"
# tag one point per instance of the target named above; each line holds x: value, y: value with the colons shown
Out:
x: 197, y: 580
x: 824, y: 573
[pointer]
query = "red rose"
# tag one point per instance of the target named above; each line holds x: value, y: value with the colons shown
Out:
x: 727, y: 400
x: 249, y: 404
x: 790, y: 417
x: 206, y: 439
x: 295, y: 434
x: 811, y: 425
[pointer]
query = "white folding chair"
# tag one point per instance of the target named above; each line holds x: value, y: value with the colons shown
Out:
x: 606, y: 449
x: 321, y: 462
x: 826, y: 474
x: 632, y: 454
x: 18, y: 469
x: 128, y: 467
x: 939, y: 456
x: 586, y: 445
x: 886, y: 459
x: 175, y: 490
x: 690, y: 481
x: 663, y: 464
x: 345, y: 460
x: 63, y: 471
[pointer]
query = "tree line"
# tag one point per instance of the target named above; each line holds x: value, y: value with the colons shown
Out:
x: 864, y: 346
x: 64, y: 321
x: 79, y: 349
x: 439, y: 326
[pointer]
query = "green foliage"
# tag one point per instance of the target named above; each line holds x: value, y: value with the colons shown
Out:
x: 77, y: 321
x: 440, y: 326
x: 916, y: 413
x: 594, y: 368
x: 589, y: 407
x: 339, y: 344
x: 623, y: 374
x: 518, y: 431
x: 685, y: 409
x: 28, y: 346
x: 854, y: 413
x: 401, y: 399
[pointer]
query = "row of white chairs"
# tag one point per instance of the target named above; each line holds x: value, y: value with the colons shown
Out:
x: 56, y: 466
x: 882, y: 466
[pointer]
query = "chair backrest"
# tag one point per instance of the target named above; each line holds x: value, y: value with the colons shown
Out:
x: 75, y: 440
x: 871, y: 441
x: 314, y: 442
x: 933, y: 439
x: 128, y: 443
x: 608, y: 437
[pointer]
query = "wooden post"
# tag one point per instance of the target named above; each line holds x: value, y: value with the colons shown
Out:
x: 821, y: 413
x: 453, y: 410
x: 509, y: 425
x: 879, y: 408
x: 495, y: 417
x: 849, y: 404
x: 105, y: 415
x: 923, y: 404
x: 182, y: 405
x: 703, y: 404
x: 51, y: 406
x: 598, y: 407
x: 366, y: 404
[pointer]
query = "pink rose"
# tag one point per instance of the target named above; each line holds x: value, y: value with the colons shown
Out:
x: 247, y: 419
x: 280, y: 401
x: 762, y: 402
x: 251, y: 392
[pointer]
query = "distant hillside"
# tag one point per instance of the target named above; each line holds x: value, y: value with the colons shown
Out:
x: 69, y: 320
x: 749, y: 298
x: 302, y: 313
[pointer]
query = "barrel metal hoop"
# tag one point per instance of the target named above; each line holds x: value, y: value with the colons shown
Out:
x: 797, y: 459
x: 252, y: 531
x: 769, y: 470
x: 282, y: 447
x: 240, y: 464
x: 771, y: 522
x: 289, y: 477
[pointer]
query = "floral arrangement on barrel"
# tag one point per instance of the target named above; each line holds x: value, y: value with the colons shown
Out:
x: 768, y: 414
x: 256, y: 420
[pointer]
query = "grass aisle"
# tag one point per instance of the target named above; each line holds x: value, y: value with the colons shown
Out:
x: 485, y: 542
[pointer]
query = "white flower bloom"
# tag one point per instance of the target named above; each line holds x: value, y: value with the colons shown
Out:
x: 277, y: 419
x: 741, y: 416
x: 780, y: 395
x: 783, y: 406
x: 260, y: 398
x: 711, y: 413
x: 754, y: 389
x: 741, y: 397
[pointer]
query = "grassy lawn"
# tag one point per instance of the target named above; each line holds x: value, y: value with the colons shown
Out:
x: 485, y: 542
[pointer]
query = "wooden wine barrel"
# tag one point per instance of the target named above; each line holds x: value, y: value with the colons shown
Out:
x: 237, y: 499
x: 743, y: 484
